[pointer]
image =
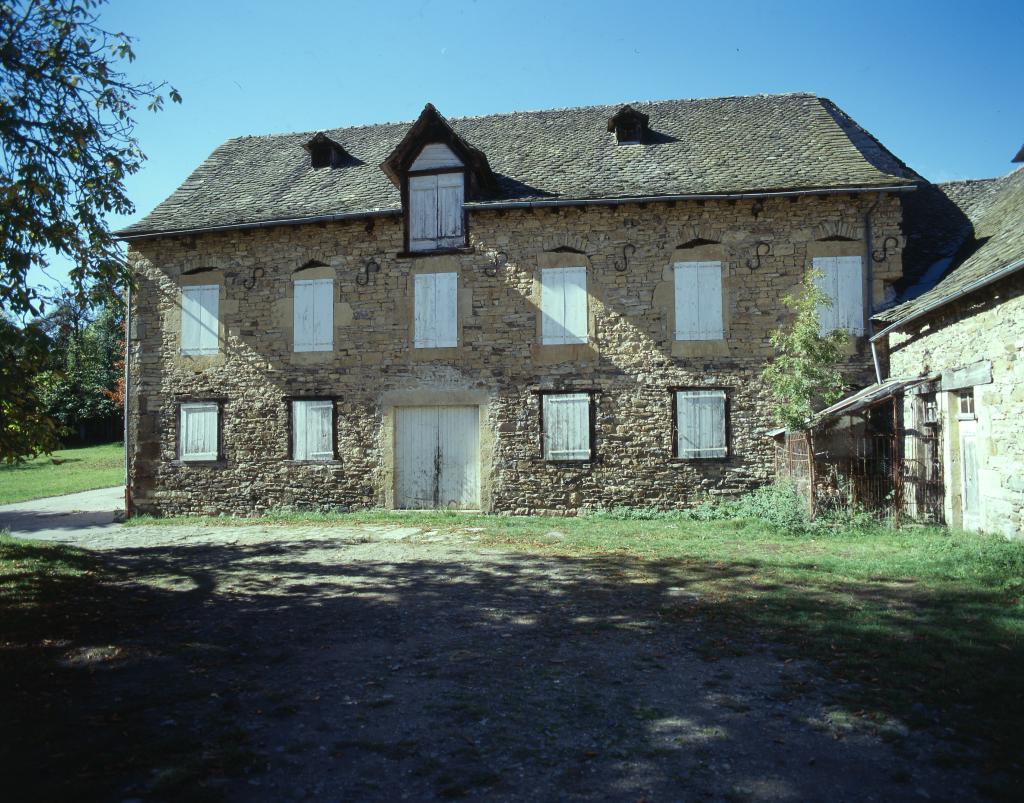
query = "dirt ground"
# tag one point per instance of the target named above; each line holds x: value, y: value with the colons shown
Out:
x: 383, y: 663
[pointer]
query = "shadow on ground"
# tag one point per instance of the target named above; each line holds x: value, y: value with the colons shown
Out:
x: 300, y: 669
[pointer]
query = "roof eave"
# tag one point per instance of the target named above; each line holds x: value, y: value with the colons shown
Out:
x: 1007, y: 270
x: 128, y: 235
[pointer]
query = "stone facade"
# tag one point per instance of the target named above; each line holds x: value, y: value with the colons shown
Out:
x: 986, y: 326
x: 631, y: 362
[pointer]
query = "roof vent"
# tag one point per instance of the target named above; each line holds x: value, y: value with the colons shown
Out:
x: 325, y: 152
x: 629, y: 125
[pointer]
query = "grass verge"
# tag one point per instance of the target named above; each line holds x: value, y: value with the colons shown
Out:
x: 63, y: 472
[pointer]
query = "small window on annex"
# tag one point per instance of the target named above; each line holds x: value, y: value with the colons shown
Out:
x: 965, y: 404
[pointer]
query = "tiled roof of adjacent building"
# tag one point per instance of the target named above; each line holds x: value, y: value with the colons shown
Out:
x: 718, y: 146
x: 993, y: 242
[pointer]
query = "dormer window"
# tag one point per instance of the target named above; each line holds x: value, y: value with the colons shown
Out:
x: 325, y: 152
x: 437, y: 190
x: 629, y: 126
x: 437, y: 171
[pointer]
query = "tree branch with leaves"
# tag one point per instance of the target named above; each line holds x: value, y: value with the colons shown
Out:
x: 67, y: 125
x: 68, y: 131
x: 803, y: 376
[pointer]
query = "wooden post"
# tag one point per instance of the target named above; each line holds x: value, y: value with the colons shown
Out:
x: 809, y: 438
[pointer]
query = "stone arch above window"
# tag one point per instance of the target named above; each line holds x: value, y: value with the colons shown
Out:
x: 562, y: 244
x: 695, y: 234
x: 836, y: 231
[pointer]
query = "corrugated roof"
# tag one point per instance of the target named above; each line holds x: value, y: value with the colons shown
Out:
x: 762, y: 143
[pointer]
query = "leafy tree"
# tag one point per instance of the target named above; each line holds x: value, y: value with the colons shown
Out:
x: 79, y: 387
x: 67, y: 127
x: 803, y: 375
x: 25, y: 430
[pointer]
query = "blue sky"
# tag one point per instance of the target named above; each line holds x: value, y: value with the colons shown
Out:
x: 938, y: 82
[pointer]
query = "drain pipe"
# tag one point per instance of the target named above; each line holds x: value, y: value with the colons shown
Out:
x: 127, y: 391
x: 869, y: 260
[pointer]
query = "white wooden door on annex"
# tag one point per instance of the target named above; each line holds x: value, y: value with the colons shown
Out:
x: 437, y: 457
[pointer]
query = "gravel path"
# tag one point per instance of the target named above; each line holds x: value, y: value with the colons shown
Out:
x: 382, y: 663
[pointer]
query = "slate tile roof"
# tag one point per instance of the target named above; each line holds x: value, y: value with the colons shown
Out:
x: 992, y: 242
x: 762, y: 143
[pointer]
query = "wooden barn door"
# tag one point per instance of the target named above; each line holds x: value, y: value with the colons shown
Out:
x: 437, y: 457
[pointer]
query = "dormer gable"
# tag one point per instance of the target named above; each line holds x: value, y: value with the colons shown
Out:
x: 431, y: 138
x: 629, y: 126
x: 325, y: 152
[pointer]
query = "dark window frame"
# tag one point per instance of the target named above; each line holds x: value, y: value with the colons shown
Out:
x: 592, y: 393
x: 290, y: 427
x: 673, y: 391
x: 407, y: 209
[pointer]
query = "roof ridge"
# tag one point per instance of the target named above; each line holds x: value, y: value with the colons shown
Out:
x: 282, y: 134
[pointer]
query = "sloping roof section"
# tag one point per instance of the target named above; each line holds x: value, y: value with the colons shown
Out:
x: 992, y: 247
x: 762, y: 143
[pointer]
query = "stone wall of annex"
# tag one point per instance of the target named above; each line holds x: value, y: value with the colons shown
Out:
x: 986, y: 325
x: 632, y: 362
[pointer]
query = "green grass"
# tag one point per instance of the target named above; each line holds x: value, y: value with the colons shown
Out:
x: 80, y: 469
x: 914, y: 616
x: 38, y: 579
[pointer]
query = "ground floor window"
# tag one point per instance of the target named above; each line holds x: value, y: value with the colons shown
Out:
x: 199, y: 431
x: 312, y: 429
x: 566, y: 424
x: 700, y: 424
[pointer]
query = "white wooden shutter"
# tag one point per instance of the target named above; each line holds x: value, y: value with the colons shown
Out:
x: 850, y: 294
x: 323, y: 315
x: 313, y: 315
x: 313, y: 430
x: 200, y: 327
x: 564, y: 306
x: 698, y: 302
x: 843, y: 282
x: 435, y: 310
x: 422, y: 213
x: 303, y: 315
x: 198, y: 437
x: 450, y: 191
x: 566, y: 426
x: 700, y: 424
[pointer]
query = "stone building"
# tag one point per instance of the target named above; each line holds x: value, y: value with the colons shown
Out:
x: 541, y: 311
x: 966, y: 332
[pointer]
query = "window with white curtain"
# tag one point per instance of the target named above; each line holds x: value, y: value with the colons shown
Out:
x: 312, y: 429
x: 198, y: 431
x: 566, y: 418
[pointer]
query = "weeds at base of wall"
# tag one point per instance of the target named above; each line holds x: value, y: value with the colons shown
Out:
x: 778, y: 505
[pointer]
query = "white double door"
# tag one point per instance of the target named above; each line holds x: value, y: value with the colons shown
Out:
x: 437, y: 457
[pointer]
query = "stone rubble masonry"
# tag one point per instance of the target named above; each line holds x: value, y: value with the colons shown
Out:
x: 986, y: 325
x: 631, y: 361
